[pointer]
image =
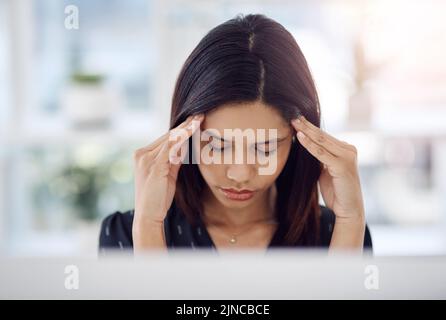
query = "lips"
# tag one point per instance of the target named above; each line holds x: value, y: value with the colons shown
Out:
x: 239, y: 195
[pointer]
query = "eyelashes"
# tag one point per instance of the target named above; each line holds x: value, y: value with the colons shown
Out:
x: 216, y: 149
x: 266, y: 152
x: 222, y: 149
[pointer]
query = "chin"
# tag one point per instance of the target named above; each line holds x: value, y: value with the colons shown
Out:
x: 235, y: 204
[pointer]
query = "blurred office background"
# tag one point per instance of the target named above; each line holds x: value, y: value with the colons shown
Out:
x: 75, y: 103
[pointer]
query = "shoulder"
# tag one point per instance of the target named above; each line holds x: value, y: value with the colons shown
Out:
x: 327, y: 222
x: 116, y: 231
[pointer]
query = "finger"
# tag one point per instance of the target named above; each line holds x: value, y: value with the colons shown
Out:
x: 316, y: 150
x: 161, y: 168
x: 158, y: 142
x: 330, y: 137
x: 174, y: 144
x: 318, y: 136
x: 155, y: 144
x: 184, y: 135
x: 149, y: 155
x: 184, y: 124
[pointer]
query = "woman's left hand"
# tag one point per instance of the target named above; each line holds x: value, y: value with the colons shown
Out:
x: 339, y: 181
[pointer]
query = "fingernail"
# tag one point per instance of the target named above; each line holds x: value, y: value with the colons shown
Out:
x: 301, y: 135
x: 296, y: 121
x: 194, y: 125
x: 198, y: 116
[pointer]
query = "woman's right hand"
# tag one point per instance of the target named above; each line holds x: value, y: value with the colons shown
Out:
x: 156, y: 173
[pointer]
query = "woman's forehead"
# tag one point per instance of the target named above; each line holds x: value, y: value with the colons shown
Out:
x: 246, y: 115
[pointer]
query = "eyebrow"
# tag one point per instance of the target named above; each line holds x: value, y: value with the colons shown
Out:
x: 262, y: 142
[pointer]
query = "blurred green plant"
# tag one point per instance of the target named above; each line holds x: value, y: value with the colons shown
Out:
x: 86, y: 78
x: 84, y: 192
x: 86, y: 186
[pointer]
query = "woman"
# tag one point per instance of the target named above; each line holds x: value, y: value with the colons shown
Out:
x: 245, y: 74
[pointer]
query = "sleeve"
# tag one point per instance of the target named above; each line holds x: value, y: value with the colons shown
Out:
x: 116, y: 232
x: 328, y: 219
x: 368, y: 244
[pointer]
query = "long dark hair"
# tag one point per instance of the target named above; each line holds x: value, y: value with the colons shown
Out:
x: 245, y: 59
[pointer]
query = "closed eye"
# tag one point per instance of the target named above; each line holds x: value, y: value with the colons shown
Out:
x: 260, y: 150
x: 218, y: 148
x: 265, y: 152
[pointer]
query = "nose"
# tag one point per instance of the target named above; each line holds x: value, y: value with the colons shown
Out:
x: 239, y: 173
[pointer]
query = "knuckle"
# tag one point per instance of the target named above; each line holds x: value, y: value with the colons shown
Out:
x: 138, y: 155
x: 173, y: 138
x: 161, y: 170
x: 171, y: 143
x: 172, y: 133
x: 177, y: 132
x: 144, y: 159
x: 353, y: 153
x: 350, y: 147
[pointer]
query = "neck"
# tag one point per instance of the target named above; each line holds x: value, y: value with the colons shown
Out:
x: 217, y: 214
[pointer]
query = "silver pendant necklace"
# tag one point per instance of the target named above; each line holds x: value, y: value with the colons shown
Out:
x: 233, y: 239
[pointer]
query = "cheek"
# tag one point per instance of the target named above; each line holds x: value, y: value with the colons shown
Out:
x: 282, y: 158
x: 269, y: 179
x: 212, y: 173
